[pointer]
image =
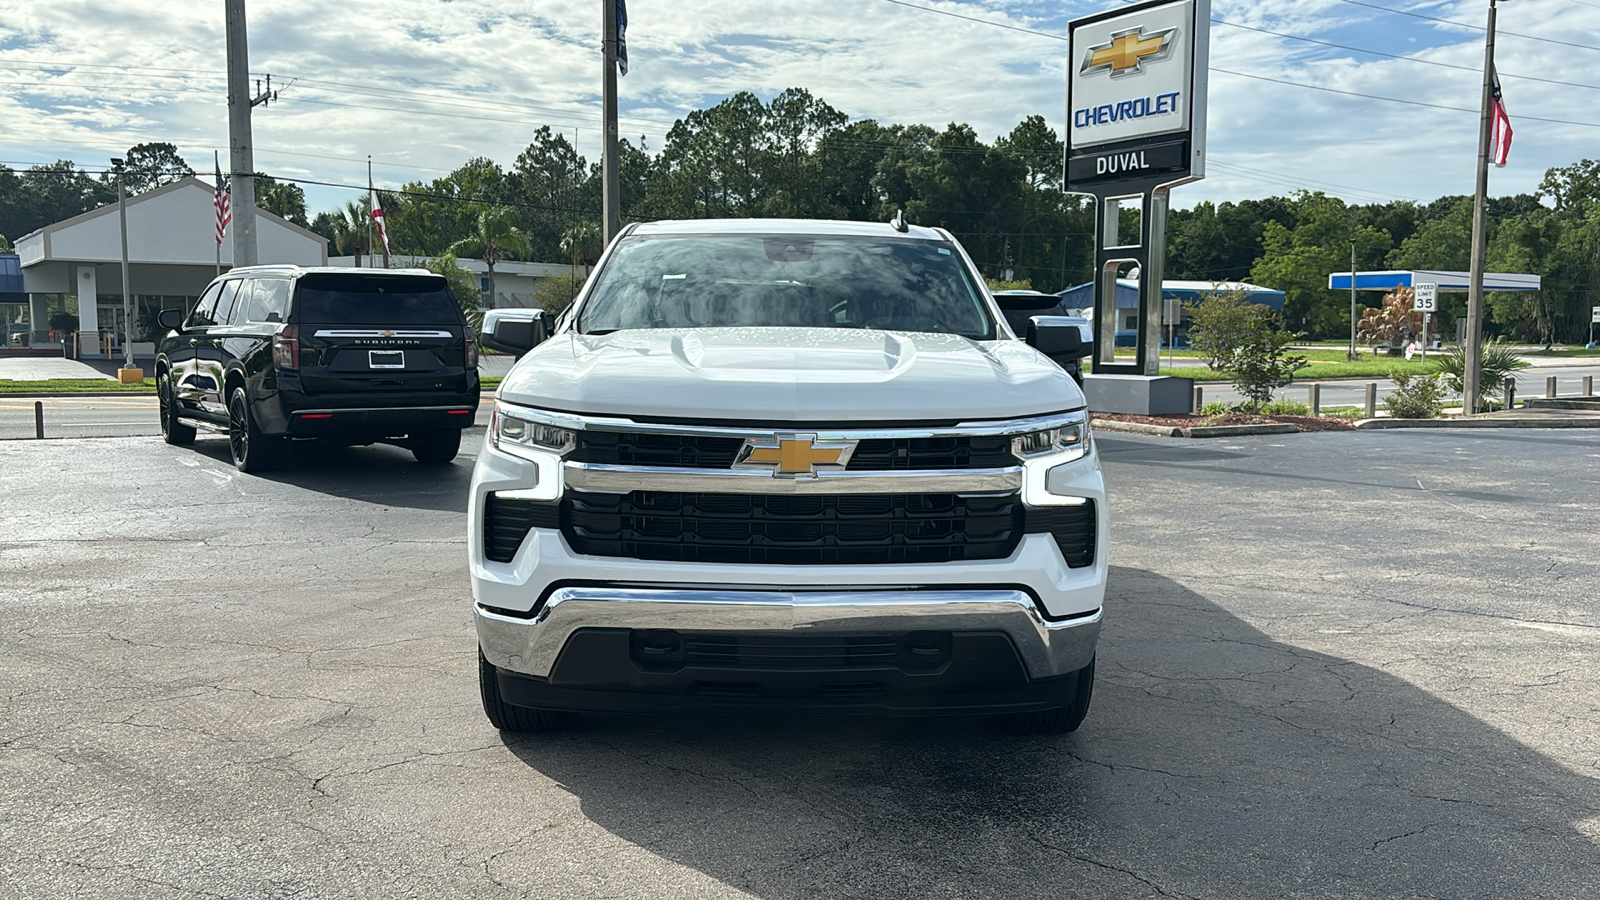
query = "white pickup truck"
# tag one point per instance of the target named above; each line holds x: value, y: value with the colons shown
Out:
x: 783, y: 466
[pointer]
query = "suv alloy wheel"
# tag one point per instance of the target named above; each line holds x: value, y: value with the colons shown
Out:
x: 252, y: 450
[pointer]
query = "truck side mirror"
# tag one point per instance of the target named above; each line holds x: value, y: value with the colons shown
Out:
x: 170, y: 319
x: 514, y: 330
x: 1057, y: 337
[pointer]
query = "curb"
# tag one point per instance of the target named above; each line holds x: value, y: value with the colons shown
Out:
x: 1198, y: 431
x: 1510, y: 422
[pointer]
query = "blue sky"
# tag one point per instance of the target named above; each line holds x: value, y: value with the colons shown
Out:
x: 423, y: 85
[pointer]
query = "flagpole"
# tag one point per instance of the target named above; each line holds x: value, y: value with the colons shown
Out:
x: 1471, y: 389
x: 369, y: 210
x: 610, y: 190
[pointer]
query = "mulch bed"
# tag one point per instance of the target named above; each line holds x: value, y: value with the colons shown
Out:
x: 1304, y: 423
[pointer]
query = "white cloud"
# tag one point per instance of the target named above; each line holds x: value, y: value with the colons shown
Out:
x: 422, y: 85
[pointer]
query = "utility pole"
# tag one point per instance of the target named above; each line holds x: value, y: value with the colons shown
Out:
x: 1352, y: 353
x: 610, y: 185
x: 127, y: 296
x: 1471, y: 389
x: 240, y: 156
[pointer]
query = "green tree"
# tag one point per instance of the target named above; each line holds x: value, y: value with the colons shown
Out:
x: 463, y: 285
x: 581, y: 243
x: 282, y: 199
x: 1262, y: 363
x: 149, y: 166
x: 548, y: 183
x: 1297, y: 261
x: 1219, y: 322
x: 556, y: 293
x: 495, y: 239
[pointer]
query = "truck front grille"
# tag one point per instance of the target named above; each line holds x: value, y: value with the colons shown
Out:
x: 871, y: 455
x: 852, y: 529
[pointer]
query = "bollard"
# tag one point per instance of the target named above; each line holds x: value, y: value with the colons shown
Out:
x: 1588, y: 385
x: 1316, y: 399
x: 1199, y: 398
x: 1511, y: 393
x: 1550, y: 387
x: 38, y: 419
x: 1372, y: 399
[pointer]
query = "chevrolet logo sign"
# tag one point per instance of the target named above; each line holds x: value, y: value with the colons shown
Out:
x: 1127, y: 51
x: 793, y: 455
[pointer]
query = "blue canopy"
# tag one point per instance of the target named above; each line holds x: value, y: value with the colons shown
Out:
x: 1447, y: 281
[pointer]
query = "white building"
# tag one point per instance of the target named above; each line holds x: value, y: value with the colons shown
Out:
x: 514, y: 282
x: 76, y: 265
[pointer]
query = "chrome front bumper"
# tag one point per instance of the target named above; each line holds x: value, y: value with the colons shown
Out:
x: 530, y: 646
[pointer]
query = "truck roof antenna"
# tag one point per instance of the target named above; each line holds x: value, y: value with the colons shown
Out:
x: 898, y: 223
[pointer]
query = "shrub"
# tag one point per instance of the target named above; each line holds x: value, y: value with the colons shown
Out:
x: 1215, y: 408
x: 556, y: 293
x: 1286, y: 408
x: 1218, y: 323
x: 1415, y: 396
x: 1261, y: 363
x: 1497, y: 363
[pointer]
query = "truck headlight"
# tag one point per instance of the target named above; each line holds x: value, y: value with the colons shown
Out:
x: 537, y: 444
x: 1041, y: 451
x: 1070, y: 441
x: 510, y: 429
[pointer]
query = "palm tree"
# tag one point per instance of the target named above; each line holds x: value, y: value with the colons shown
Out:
x: 496, y: 237
x: 350, y: 230
x: 578, y: 242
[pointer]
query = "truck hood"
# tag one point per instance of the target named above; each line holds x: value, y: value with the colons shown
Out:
x: 798, y: 375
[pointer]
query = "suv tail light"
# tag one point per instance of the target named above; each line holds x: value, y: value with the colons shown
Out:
x: 472, y: 347
x: 286, y: 347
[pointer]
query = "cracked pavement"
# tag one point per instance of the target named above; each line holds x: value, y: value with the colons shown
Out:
x: 1334, y: 665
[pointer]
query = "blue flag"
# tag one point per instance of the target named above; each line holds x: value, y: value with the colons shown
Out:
x: 622, y: 36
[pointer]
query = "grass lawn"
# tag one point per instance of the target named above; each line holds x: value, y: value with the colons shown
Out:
x: 76, y: 386
x: 1381, y: 367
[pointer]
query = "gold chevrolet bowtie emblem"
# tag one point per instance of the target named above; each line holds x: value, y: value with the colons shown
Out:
x: 1127, y: 51
x: 794, y: 455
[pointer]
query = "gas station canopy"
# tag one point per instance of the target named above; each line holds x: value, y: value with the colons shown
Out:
x: 1447, y: 281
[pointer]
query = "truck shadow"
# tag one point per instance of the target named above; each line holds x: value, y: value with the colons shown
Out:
x: 1215, y: 762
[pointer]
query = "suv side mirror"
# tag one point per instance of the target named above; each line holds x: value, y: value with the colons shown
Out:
x: 170, y: 319
x: 1057, y: 337
x: 514, y: 330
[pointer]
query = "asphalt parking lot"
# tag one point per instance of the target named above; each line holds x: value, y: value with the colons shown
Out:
x: 1354, y: 664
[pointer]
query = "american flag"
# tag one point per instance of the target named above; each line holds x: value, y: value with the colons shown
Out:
x: 220, y: 201
x: 1501, y: 148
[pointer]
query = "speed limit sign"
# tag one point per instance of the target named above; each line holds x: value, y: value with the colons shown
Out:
x: 1425, y: 297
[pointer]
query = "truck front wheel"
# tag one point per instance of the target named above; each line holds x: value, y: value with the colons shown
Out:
x: 1062, y: 719
x: 503, y: 715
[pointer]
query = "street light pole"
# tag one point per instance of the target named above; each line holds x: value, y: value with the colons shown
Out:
x: 127, y: 296
x: 1471, y: 377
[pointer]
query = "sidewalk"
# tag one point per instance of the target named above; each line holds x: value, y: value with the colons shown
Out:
x: 50, y: 368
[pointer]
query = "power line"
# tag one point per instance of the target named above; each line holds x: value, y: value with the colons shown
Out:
x: 1497, y: 31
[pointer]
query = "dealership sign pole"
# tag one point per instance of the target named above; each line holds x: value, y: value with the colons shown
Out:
x: 1136, y: 128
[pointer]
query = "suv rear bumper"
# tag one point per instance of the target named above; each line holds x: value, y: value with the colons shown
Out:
x: 581, y: 651
x: 378, y: 421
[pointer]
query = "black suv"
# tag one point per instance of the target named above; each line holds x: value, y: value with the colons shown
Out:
x: 1019, y: 307
x: 272, y: 353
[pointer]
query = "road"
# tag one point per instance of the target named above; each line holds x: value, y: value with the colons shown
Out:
x: 1341, y: 665
x: 122, y: 415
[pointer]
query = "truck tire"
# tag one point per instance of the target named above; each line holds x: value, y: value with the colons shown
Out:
x: 1062, y: 719
x: 504, y: 716
x: 439, y: 446
x: 252, y: 450
x: 173, y: 431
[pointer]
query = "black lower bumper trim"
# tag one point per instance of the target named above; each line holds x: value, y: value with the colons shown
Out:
x: 600, y: 670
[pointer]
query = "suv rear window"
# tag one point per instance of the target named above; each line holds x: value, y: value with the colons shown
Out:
x: 366, y: 299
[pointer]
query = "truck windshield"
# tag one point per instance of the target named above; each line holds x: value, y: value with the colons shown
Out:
x: 327, y: 298
x: 706, y: 281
